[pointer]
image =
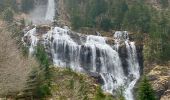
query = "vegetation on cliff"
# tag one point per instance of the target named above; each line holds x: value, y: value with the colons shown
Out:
x: 145, y: 91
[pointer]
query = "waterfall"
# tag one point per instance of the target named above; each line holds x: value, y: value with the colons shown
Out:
x: 31, y: 39
x: 50, y: 13
x: 133, y: 68
x: 90, y: 53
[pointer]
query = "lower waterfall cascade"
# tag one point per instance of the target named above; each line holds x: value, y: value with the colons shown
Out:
x: 90, y: 53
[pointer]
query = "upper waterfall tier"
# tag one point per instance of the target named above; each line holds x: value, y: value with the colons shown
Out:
x: 50, y: 10
x: 43, y: 13
x: 89, y: 53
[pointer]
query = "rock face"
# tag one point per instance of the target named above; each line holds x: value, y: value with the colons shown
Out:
x: 166, y: 95
x: 159, y: 77
x: 43, y: 29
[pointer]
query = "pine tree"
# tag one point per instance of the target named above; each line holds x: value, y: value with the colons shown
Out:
x: 145, y: 91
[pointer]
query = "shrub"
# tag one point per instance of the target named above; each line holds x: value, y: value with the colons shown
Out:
x: 43, y: 90
x: 99, y: 94
x: 145, y: 91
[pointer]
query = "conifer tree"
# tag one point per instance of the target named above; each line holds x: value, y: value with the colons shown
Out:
x: 145, y: 91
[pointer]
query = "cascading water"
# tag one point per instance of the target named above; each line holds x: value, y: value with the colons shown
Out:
x: 133, y: 68
x: 89, y: 53
x: 31, y: 39
x: 50, y: 13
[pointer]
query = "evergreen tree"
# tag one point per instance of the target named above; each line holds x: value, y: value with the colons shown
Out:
x: 145, y: 91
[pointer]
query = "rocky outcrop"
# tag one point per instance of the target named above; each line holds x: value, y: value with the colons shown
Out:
x: 159, y: 77
x: 166, y: 95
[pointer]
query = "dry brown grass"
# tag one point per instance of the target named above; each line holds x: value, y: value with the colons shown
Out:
x: 14, y: 68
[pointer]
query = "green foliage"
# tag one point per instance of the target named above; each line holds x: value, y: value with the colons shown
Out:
x: 145, y: 91
x: 100, y: 96
x: 27, y: 5
x: 106, y: 24
x: 76, y: 22
x: 159, y: 38
x: 8, y: 15
x: 25, y: 51
x: 43, y: 90
x: 42, y: 56
x: 134, y: 16
x: 97, y: 13
x: 85, y: 18
x: 118, y: 9
x: 138, y: 18
x: 71, y: 84
x: 98, y: 7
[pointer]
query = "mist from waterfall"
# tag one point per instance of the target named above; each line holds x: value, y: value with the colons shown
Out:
x: 43, y: 14
x: 50, y: 13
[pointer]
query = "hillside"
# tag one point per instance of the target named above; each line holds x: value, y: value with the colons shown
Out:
x: 114, y: 43
x: 13, y: 66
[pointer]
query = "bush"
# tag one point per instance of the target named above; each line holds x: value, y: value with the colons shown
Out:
x: 43, y: 91
x: 25, y: 51
x: 42, y: 56
x: 99, y: 94
x: 145, y: 91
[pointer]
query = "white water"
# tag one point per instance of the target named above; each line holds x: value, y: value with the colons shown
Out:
x: 50, y: 13
x: 133, y: 68
x: 133, y: 65
x: 31, y: 37
x: 93, y: 55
